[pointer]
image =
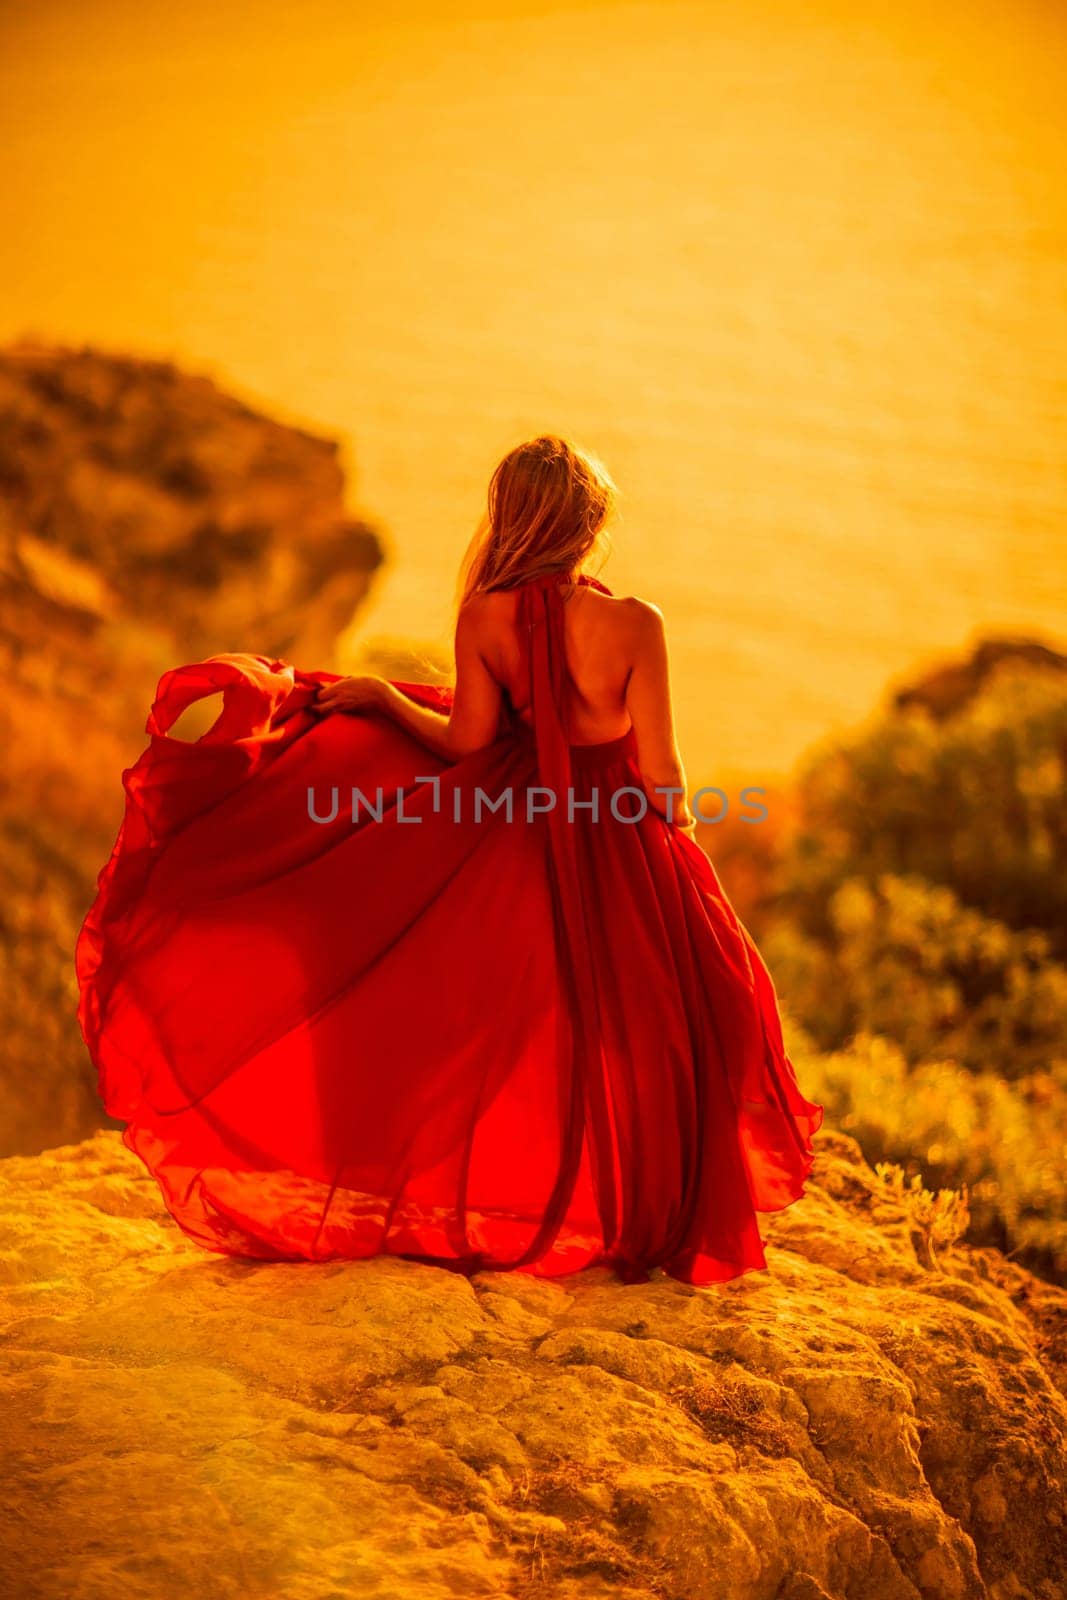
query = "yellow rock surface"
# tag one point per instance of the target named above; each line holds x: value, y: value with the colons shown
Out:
x: 846, y: 1426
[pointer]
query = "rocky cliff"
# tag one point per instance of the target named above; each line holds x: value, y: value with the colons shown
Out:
x: 161, y: 496
x: 146, y: 518
x: 853, y: 1424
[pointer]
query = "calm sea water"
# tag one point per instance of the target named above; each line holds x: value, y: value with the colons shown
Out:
x: 796, y: 271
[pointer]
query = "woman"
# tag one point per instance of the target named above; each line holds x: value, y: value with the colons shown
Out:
x: 387, y: 967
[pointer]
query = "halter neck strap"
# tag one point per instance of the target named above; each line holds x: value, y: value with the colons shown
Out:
x: 541, y: 620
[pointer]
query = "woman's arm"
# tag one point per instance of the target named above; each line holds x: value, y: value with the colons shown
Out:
x: 648, y: 700
x: 474, y: 719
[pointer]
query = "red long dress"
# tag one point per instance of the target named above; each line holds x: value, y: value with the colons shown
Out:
x: 535, y: 1043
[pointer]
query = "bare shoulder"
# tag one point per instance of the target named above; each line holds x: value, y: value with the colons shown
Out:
x: 475, y: 605
x: 482, y: 611
x: 644, y: 619
x: 644, y: 612
x: 629, y: 625
x: 625, y: 607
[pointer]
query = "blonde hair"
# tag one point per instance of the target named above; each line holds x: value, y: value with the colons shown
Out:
x: 548, y: 501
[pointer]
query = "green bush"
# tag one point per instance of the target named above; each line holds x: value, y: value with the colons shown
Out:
x: 906, y: 959
x: 973, y: 803
x: 1006, y: 1141
x: 916, y: 931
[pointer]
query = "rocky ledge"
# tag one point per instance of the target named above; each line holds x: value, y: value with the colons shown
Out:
x: 856, y: 1423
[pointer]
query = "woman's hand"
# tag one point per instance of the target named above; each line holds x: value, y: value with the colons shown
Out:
x: 689, y: 828
x: 363, y: 692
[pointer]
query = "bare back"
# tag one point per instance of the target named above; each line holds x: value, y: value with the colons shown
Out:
x: 616, y: 657
x: 599, y: 640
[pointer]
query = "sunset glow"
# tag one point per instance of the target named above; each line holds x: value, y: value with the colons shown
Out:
x: 796, y: 272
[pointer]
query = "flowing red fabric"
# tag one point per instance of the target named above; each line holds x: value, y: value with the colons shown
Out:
x: 346, y: 1005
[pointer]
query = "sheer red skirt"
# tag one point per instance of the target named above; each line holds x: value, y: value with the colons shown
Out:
x: 408, y: 1022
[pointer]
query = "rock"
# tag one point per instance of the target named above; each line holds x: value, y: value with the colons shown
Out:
x: 146, y: 519
x: 846, y: 1426
x: 204, y: 517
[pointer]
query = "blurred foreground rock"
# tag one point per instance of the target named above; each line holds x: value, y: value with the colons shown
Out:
x: 846, y: 1426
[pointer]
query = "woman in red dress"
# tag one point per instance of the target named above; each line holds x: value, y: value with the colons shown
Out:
x: 441, y: 972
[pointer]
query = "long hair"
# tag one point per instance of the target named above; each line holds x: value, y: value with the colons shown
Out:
x: 548, y: 502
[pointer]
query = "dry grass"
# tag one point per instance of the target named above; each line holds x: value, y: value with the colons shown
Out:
x: 734, y: 1411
